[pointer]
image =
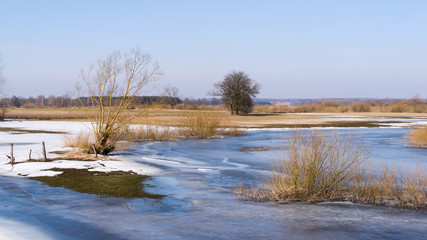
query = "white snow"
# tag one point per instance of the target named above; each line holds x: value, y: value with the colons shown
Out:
x: 23, y: 142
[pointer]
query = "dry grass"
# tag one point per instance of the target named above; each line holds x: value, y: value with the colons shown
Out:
x: 335, y: 107
x: 392, y: 186
x: 318, y: 168
x: 153, y: 131
x: 40, y: 114
x: 82, y: 141
x: 262, y: 118
x: 233, y: 132
x: 418, y: 137
x: 156, y: 133
x: 200, y: 125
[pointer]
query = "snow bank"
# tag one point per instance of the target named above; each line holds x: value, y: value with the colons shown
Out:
x: 24, y: 142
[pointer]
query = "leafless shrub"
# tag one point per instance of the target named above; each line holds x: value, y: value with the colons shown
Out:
x: 400, y: 107
x: 110, y: 87
x: 361, y: 107
x: 317, y: 168
x: 418, y: 137
x: 392, y: 186
x: 200, y: 125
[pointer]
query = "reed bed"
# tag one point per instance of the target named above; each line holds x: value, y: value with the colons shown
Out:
x: 316, y: 167
x: 394, y: 186
x: 335, y: 107
x: 200, y: 125
x: 153, y: 131
x: 196, y: 125
x: 83, y: 142
x: 418, y: 137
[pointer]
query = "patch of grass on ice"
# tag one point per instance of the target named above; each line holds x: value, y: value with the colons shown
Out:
x: 118, y: 184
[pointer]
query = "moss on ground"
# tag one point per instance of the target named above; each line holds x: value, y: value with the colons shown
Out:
x: 118, y: 184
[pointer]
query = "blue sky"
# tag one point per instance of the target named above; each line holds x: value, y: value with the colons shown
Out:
x: 294, y: 49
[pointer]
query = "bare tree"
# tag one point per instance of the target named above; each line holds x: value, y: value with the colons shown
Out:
x: 111, y: 85
x: 172, y: 96
x: 237, y: 91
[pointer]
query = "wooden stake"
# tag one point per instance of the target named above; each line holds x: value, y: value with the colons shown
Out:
x: 94, y: 150
x: 29, y: 157
x: 12, y: 158
x: 44, y: 151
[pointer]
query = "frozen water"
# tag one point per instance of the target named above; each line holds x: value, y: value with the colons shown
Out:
x: 198, y: 177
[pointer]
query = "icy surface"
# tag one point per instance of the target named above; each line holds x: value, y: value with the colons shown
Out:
x: 24, y: 142
x: 198, y: 177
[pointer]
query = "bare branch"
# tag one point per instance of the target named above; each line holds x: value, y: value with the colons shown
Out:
x: 111, y: 86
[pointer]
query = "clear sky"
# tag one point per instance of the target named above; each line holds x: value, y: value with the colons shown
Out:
x: 294, y: 49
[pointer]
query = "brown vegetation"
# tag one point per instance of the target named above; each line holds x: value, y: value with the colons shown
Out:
x: 110, y: 87
x: 361, y: 107
x: 200, y: 125
x: 418, y: 137
x: 333, y: 168
x: 250, y: 149
x: 413, y: 105
x: 153, y: 131
x: 197, y: 125
x: 82, y: 141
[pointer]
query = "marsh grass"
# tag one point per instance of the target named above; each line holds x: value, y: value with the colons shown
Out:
x: 117, y: 184
x: 85, y: 142
x: 82, y: 142
x: 153, y: 131
x: 232, y: 132
x: 197, y: 125
x: 200, y: 125
x: 316, y: 167
x: 205, y: 125
x: 392, y: 186
x: 418, y: 137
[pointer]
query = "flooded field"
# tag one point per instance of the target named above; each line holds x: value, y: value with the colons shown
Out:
x: 197, y: 177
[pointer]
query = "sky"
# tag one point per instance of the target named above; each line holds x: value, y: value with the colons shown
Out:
x: 293, y: 49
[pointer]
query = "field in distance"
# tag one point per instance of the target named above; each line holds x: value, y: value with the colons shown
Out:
x: 257, y: 119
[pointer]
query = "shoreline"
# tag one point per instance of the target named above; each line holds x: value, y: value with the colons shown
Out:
x: 172, y: 118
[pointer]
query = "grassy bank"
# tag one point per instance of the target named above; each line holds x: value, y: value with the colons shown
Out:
x: 175, y: 117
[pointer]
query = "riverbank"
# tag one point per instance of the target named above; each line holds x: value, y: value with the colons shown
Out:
x: 169, y: 117
x: 197, y: 177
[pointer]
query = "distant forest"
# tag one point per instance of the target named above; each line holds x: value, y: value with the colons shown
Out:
x: 67, y: 101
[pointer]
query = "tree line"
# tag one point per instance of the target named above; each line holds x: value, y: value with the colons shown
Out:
x: 67, y: 101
